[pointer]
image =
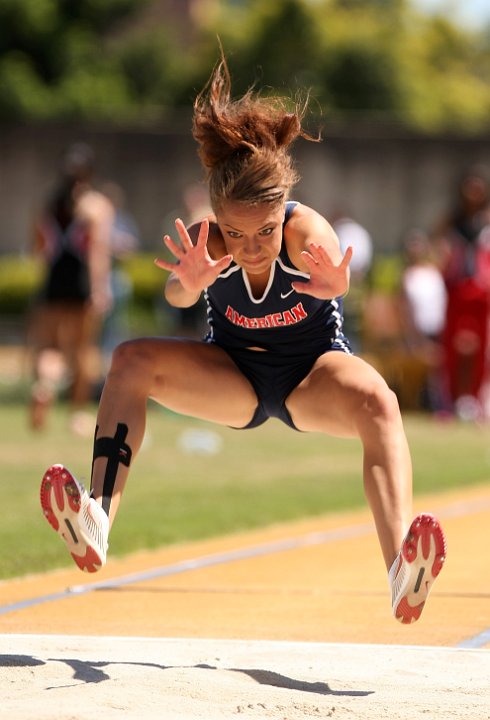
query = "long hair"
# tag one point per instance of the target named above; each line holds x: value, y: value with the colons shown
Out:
x: 244, y: 143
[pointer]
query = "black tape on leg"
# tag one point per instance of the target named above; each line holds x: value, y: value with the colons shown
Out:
x: 117, y: 453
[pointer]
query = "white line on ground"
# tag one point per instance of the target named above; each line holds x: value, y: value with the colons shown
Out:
x: 456, y: 509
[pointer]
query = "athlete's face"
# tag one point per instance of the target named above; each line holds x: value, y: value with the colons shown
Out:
x: 252, y: 234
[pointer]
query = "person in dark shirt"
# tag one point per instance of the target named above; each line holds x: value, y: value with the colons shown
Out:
x: 72, y: 237
x: 273, y: 277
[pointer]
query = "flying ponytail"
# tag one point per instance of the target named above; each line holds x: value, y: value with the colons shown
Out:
x: 244, y: 143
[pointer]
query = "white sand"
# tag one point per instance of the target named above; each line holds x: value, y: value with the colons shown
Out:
x: 43, y: 677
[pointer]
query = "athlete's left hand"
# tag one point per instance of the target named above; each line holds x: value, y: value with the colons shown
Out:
x: 327, y: 280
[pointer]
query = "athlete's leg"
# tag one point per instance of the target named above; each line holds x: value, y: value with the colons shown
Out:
x: 189, y: 377
x: 186, y: 376
x: 344, y: 396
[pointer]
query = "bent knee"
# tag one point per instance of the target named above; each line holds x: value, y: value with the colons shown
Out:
x: 380, y: 403
x: 132, y: 356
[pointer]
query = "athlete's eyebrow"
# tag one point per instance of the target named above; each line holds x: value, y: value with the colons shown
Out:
x: 267, y: 224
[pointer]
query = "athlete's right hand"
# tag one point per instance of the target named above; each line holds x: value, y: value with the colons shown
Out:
x: 195, y: 269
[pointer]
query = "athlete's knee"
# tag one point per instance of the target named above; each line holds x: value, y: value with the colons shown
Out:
x: 379, y: 403
x: 132, y: 358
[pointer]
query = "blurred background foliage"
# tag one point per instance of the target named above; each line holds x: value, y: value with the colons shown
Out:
x: 138, y: 61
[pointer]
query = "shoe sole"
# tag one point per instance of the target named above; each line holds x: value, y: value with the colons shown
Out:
x: 424, y: 549
x: 61, y: 503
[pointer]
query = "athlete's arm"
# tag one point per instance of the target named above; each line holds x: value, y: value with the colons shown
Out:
x: 194, y: 268
x: 314, y: 248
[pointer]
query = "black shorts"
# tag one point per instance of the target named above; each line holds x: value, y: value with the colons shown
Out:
x: 274, y: 377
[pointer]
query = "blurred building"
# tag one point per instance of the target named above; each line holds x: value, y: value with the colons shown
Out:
x: 393, y: 178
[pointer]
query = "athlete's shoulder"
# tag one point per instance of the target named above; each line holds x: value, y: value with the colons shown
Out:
x: 300, y: 214
x: 304, y: 226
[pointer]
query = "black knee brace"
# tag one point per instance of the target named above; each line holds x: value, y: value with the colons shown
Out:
x: 117, y: 452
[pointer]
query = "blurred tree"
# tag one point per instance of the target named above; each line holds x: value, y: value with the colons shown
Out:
x: 447, y: 72
x: 363, y: 76
x: 55, y: 59
x: 285, y: 47
x: 137, y: 61
x: 390, y: 6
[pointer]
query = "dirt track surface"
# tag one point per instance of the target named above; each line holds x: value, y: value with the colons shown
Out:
x: 292, y: 622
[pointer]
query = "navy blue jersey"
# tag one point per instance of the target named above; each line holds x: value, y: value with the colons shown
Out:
x: 282, y: 320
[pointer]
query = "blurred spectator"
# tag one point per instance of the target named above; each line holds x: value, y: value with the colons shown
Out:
x: 459, y: 238
x: 351, y: 233
x: 196, y: 202
x: 456, y: 235
x: 72, y: 236
x: 383, y: 333
x: 423, y: 307
x: 125, y: 241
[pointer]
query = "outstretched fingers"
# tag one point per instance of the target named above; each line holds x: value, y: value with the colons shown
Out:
x: 185, y: 246
x: 202, y: 238
x: 175, y: 249
x: 346, y: 259
x: 185, y: 238
x: 318, y: 255
x: 326, y: 278
x: 223, y: 263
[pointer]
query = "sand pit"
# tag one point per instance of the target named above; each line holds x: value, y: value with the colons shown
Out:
x: 46, y: 677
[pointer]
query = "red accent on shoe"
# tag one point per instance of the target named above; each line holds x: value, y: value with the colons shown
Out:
x: 424, y: 550
x: 66, y: 506
x: 424, y: 528
x: 45, y: 496
x: 57, y: 485
x: 407, y: 614
x: 90, y: 562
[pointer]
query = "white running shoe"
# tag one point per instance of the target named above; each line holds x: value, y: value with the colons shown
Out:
x: 77, y: 518
x: 417, y: 565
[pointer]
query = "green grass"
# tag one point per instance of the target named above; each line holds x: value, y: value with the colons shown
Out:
x: 258, y: 477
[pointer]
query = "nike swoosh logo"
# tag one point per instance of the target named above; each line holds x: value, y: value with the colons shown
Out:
x: 285, y: 295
